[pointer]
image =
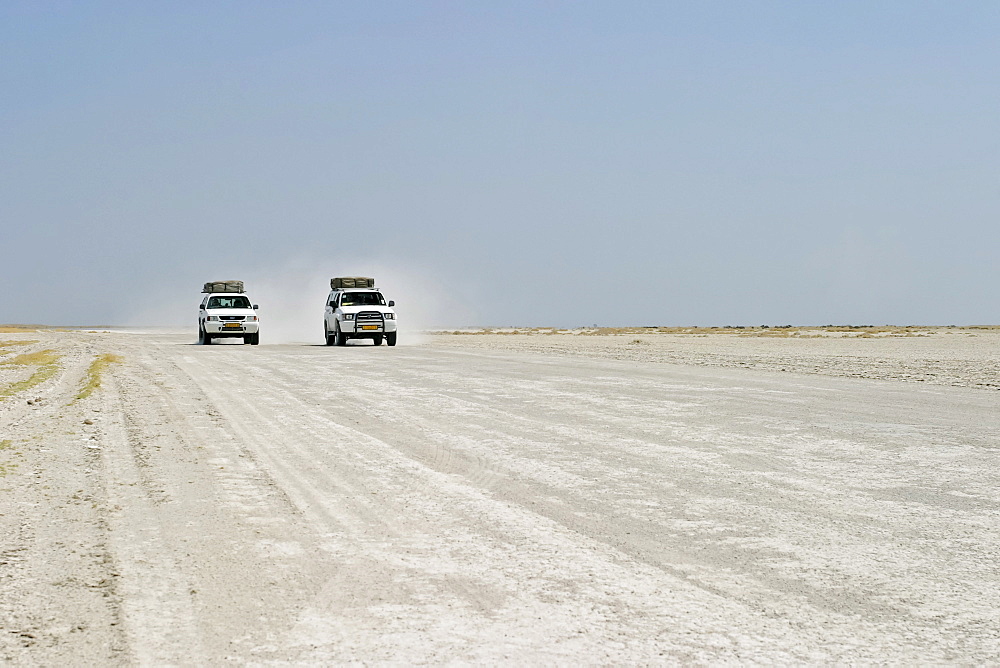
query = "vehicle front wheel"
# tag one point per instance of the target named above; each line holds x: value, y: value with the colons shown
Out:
x: 390, y: 338
x: 206, y: 338
x: 339, y: 338
x: 327, y: 336
x: 378, y: 340
x: 255, y: 339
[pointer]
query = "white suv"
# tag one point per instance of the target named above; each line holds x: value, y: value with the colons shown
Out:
x: 228, y: 315
x: 358, y: 313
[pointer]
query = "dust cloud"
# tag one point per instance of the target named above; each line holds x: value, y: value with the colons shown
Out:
x: 291, y: 297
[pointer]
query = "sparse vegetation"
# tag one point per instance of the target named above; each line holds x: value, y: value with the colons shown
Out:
x: 11, y: 344
x: 7, y: 347
x: 770, y: 331
x: 47, y: 363
x: 20, y: 329
x: 93, y: 376
x: 6, y: 468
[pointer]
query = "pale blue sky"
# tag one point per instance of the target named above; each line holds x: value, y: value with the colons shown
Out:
x: 558, y: 163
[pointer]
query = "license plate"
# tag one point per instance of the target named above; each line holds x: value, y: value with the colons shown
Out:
x: 369, y: 326
x: 234, y: 325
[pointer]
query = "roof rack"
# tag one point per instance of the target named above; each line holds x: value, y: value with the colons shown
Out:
x: 223, y: 286
x: 342, y: 282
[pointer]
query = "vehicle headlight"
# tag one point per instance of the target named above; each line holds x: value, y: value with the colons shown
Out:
x: 389, y: 316
x: 212, y: 317
x: 252, y: 317
x: 348, y: 316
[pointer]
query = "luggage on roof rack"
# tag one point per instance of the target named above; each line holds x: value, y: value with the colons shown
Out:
x: 351, y: 282
x: 223, y: 286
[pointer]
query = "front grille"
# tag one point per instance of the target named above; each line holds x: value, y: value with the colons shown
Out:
x: 368, y: 316
x: 232, y: 317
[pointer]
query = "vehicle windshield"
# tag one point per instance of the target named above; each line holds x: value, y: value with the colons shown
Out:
x: 362, y: 299
x: 234, y: 301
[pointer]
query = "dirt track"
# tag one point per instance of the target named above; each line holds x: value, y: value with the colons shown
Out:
x: 488, y: 499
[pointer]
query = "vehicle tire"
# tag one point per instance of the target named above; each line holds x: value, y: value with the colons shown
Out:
x: 327, y: 336
x: 201, y: 335
x: 247, y: 339
x: 377, y: 340
x: 207, y: 339
x: 255, y: 339
x: 390, y: 338
x: 338, y: 337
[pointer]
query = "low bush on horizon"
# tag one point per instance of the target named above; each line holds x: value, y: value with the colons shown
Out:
x: 18, y: 329
x: 768, y: 331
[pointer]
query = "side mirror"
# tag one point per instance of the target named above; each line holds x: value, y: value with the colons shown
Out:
x: 391, y: 303
x: 256, y: 306
x: 332, y: 304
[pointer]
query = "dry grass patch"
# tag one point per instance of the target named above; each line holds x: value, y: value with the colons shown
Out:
x: 92, y: 380
x: 12, y: 344
x: 767, y: 331
x: 39, y: 358
x: 20, y: 329
x: 47, y: 363
x: 826, y: 331
x: 6, y: 468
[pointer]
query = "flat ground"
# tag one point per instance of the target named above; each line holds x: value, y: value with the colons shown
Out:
x: 589, y: 497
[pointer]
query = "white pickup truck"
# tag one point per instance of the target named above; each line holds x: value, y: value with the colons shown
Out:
x: 358, y: 313
x: 226, y: 312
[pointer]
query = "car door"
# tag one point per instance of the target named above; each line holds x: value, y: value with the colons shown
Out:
x: 331, y: 311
